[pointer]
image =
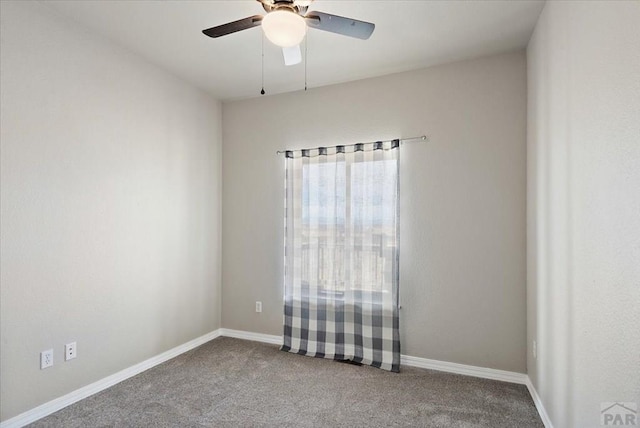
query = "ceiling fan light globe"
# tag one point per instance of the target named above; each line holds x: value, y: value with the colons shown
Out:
x: 284, y: 28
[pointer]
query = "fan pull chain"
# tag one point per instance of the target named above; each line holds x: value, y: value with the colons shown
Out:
x: 262, y: 91
x: 306, y: 49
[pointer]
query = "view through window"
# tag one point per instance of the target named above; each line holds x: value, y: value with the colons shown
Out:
x: 348, y: 246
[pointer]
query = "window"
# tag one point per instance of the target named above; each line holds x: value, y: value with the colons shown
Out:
x: 369, y: 228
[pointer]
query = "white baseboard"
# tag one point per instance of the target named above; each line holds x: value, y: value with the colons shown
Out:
x: 463, y: 369
x: 538, y: 402
x: 86, y: 391
x: 248, y: 335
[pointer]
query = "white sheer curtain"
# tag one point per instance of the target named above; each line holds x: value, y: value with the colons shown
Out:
x: 341, y: 253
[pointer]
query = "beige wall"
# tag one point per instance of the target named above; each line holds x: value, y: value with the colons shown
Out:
x: 462, y: 201
x: 584, y: 208
x: 110, y: 209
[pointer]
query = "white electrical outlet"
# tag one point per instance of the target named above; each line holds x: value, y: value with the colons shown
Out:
x: 70, y: 350
x: 46, y: 359
x: 535, y: 349
x: 258, y: 306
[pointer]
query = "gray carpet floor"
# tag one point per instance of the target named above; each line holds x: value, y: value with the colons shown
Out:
x: 236, y: 383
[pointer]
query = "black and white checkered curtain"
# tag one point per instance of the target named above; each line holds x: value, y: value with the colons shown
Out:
x: 341, y: 254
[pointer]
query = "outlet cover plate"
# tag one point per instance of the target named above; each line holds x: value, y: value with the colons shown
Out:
x: 46, y: 359
x: 70, y: 351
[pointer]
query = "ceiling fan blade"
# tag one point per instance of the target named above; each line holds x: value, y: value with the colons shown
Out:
x: 340, y: 25
x: 232, y: 27
x: 292, y: 55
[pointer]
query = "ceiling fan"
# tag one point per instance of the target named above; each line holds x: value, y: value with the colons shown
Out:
x: 286, y: 22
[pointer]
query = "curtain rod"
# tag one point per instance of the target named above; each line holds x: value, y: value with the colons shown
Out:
x: 402, y: 140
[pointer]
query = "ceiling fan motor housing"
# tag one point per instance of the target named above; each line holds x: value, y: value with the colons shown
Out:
x: 291, y: 5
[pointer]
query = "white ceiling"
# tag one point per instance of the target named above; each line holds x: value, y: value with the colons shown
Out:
x: 408, y: 35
